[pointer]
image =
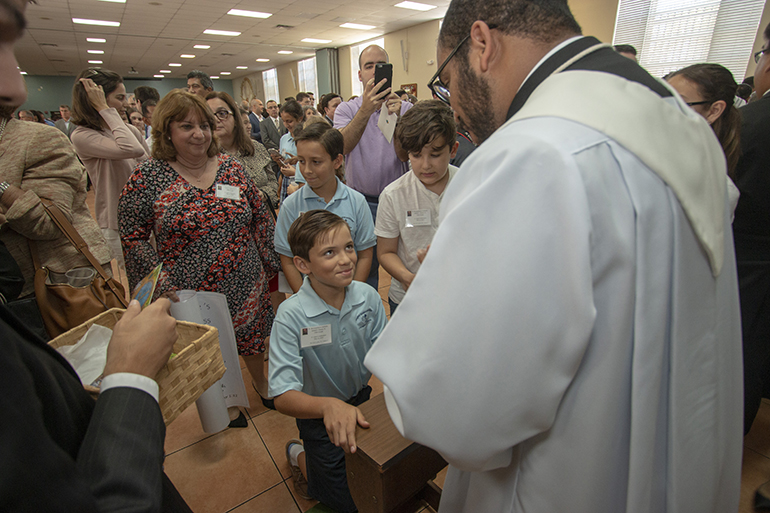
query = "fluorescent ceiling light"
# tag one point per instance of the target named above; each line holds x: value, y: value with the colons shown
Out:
x: 415, y: 6
x: 95, y: 62
x: 202, y: 47
x: 174, y: 64
x: 83, y: 21
x: 114, y: 1
x: 96, y: 52
x: 225, y: 73
x: 23, y: 72
x: 357, y: 26
x: 165, y: 71
x: 241, y: 67
x: 95, y: 40
x: 319, y: 41
x: 249, y: 14
x: 214, y: 77
x: 221, y: 32
x: 285, y: 52
x: 159, y: 76
x: 187, y: 56
x: 263, y: 60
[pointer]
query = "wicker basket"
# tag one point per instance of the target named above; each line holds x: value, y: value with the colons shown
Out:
x: 198, y: 363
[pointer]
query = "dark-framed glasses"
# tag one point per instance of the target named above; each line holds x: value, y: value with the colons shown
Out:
x: 438, y: 87
x: 702, y: 102
x: 758, y: 55
x: 222, y: 115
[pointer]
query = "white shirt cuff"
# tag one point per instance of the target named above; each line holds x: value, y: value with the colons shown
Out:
x: 131, y: 380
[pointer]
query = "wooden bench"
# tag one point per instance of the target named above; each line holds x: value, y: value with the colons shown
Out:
x: 388, y: 473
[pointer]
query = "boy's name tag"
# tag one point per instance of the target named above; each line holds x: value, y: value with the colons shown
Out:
x: 418, y: 217
x: 315, y: 336
x: 228, y: 192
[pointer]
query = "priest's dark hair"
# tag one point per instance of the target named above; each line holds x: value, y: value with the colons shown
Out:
x: 715, y: 83
x: 625, y: 49
x: 545, y: 21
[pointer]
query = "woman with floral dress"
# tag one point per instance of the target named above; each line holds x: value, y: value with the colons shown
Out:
x: 212, y: 231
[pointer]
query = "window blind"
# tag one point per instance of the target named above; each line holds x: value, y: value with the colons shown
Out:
x: 672, y: 34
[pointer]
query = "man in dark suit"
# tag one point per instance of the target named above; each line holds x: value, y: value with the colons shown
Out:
x: 255, y: 117
x: 272, y: 127
x: 751, y: 229
x: 64, y: 123
x: 59, y: 449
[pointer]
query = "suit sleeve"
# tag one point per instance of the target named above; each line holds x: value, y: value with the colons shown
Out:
x: 58, y: 453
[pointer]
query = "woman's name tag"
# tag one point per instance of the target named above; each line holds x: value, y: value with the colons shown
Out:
x: 228, y: 192
x: 316, y: 336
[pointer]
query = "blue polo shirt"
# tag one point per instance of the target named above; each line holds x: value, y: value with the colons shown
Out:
x: 334, y: 369
x: 350, y: 205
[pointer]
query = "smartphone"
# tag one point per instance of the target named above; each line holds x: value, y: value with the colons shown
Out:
x: 382, y: 70
x: 273, y: 152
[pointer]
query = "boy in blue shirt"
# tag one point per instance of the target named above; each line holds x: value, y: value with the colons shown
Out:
x: 319, y: 149
x: 318, y: 343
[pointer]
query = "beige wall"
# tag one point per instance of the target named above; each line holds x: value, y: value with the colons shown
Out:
x: 420, y: 44
x: 288, y: 80
x: 256, y: 86
x: 596, y: 17
x: 343, y: 58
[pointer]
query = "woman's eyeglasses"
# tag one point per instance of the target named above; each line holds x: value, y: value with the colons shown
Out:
x: 222, y: 115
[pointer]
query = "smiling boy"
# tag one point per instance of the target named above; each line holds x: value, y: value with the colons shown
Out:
x: 319, y: 340
x: 407, y: 217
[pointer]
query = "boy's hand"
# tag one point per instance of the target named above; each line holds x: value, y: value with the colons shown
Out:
x: 340, y: 420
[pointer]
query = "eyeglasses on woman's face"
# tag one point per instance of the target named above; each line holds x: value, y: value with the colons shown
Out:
x: 223, y: 114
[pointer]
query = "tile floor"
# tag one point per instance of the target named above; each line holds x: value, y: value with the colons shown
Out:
x: 245, y: 470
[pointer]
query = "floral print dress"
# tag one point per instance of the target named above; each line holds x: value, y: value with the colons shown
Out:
x: 205, y: 242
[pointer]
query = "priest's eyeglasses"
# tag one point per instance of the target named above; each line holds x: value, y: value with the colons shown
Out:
x: 438, y: 87
x: 702, y: 102
x: 758, y: 55
x: 222, y: 115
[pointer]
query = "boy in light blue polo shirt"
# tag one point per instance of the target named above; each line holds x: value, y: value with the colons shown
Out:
x: 319, y: 148
x: 319, y: 340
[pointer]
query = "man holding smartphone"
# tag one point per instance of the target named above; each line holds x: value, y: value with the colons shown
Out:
x: 371, y: 161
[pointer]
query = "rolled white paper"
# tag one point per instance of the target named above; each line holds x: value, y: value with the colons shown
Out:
x: 212, y: 409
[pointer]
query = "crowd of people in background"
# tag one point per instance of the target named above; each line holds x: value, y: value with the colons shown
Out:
x: 160, y: 167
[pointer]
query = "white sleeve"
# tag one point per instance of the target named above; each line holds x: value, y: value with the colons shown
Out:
x: 128, y: 379
x: 496, y: 322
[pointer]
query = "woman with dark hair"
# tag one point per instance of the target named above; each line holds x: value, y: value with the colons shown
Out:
x: 109, y: 148
x: 212, y: 230
x: 235, y: 141
x: 328, y: 105
x: 709, y: 89
x: 292, y: 115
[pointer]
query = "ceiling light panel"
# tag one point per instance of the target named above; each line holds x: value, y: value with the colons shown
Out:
x: 285, y: 52
x: 187, y: 56
x: 95, y: 40
x: 202, y: 47
x: 263, y: 60
x: 415, y: 6
x: 221, y: 33
x: 249, y: 14
x: 101, y: 23
x: 318, y: 41
x: 96, y: 52
x: 357, y: 26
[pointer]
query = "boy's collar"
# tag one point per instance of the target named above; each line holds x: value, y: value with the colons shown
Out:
x: 313, y: 305
x: 340, y: 193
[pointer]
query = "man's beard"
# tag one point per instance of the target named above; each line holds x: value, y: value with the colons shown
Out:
x: 478, y: 115
x: 6, y: 111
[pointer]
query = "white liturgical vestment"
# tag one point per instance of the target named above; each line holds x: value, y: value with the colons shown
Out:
x: 571, y: 344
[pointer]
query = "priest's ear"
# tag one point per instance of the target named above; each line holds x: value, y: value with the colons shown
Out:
x: 715, y: 110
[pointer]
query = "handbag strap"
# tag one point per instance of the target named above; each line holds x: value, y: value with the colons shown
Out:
x: 69, y: 231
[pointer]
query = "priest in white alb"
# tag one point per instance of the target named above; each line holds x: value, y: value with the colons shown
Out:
x: 571, y: 343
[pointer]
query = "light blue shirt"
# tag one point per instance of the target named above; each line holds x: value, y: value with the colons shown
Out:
x: 350, y: 205
x: 287, y: 145
x: 334, y: 369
